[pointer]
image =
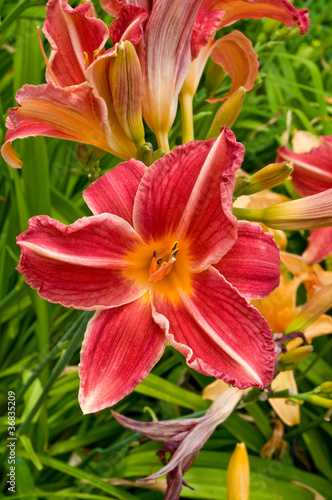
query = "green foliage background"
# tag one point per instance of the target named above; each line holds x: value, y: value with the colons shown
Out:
x: 60, y: 452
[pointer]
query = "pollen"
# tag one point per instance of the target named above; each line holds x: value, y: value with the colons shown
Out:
x: 163, y: 264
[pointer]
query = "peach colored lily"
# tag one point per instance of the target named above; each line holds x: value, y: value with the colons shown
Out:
x: 161, y: 260
x: 280, y: 310
x: 71, y: 105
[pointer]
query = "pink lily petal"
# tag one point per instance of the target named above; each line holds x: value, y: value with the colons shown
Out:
x: 128, y: 25
x: 188, y: 193
x: 312, y: 170
x: 114, y: 192
x: 120, y: 348
x: 68, y: 113
x: 234, y: 53
x: 72, y: 33
x: 206, y: 23
x: 113, y: 7
x: 167, y: 54
x: 98, y: 78
x: 320, y: 245
x: 218, y: 331
x: 27, y: 129
x: 252, y: 265
x: 281, y: 10
x: 80, y: 265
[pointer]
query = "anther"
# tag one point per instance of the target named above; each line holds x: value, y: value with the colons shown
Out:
x: 174, y: 254
x: 159, y: 261
x: 174, y: 246
x: 154, y: 255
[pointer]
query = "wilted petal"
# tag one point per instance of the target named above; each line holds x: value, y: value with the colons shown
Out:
x: 67, y: 113
x: 218, y: 331
x: 188, y: 193
x: 281, y: 10
x: 80, y: 265
x: 115, y: 191
x: 183, y: 438
x: 120, y: 347
x: 312, y: 170
x: 98, y: 76
x: 252, y: 265
x: 287, y: 411
x: 218, y: 412
x: 235, y: 54
x: 320, y: 245
x: 168, y: 57
x: 128, y: 25
x: 163, y: 430
x: 75, y: 35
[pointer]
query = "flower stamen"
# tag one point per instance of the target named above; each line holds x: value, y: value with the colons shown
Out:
x: 160, y: 267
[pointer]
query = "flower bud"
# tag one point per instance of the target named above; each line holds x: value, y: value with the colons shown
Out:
x: 238, y: 474
x: 227, y: 113
x: 324, y: 390
x: 214, y: 75
x: 312, y: 310
x: 145, y: 153
x: 125, y: 80
x: 88, y: 155
x: 268, y: 177
x: 305, y: 213
x: 290, y: 358
x: 241, y: 183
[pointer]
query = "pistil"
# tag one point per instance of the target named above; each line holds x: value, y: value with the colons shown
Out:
x: 160, y: 267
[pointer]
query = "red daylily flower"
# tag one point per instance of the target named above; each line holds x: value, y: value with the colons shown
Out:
x: 161, y: 260
x: 183, y: 438
x: 312, y: 158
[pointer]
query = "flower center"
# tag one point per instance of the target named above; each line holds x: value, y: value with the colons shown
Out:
x: 162, y: 264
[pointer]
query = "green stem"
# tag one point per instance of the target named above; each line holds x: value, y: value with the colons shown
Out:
x: 186, y: 103
x: 62, y: 363
x: 313, y: 399
x: 253, y: 215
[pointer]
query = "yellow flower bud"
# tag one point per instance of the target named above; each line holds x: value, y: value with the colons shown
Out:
x: 125, y: 80
x: 269, y: 177
x: 290, y: 358
x: 214, y: 75
x: 238, y: 474
x: 227, y: 113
